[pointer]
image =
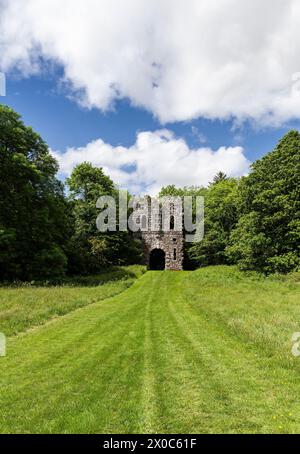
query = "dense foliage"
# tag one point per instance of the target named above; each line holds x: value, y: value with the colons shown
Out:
x: 253, y: 222
x: 221, y: 206
x: 34, y: 222
x: 221, y: 215
x: 91, y: 250
x: 267, y: 236
x: 44, y: 234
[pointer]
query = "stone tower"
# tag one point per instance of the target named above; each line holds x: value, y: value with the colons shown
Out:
x: 160, y: 228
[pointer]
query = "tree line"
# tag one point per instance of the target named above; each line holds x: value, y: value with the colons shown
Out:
x: 45, y: 234
x: 253, y: 222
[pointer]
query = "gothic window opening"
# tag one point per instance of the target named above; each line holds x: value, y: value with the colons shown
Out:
x: 172, y: 223
x: 144, y: 222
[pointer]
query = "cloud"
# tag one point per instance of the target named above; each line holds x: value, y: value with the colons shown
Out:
x: 198, y: 135
x: 179, y: 60
x: 155, y: 160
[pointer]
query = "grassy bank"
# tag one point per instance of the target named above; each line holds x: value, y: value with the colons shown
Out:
x: 24, y: 305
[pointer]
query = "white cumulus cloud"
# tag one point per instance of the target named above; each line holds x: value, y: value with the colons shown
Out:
x: 155, y: 160
x: 178, y: 59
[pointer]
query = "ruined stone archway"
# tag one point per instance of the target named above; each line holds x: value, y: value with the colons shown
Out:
x: 157, y: 259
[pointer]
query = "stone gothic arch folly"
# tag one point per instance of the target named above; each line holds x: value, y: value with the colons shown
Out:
x: 163, y: 247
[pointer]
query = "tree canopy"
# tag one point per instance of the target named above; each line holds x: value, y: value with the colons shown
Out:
x: 267, y: 236
x: 91, y: 249
x: 33, y: 211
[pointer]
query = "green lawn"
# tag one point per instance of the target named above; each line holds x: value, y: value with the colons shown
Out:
x: 22, y: 307
x: 203, y: 351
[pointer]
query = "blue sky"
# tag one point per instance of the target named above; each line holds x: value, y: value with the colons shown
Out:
x: 171, y: 94
x: 63, y: 123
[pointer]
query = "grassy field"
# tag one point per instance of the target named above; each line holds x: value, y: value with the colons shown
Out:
x: 24, y: 306
x: 203, y: 351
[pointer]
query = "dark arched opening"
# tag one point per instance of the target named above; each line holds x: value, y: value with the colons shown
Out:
x: 157, y: 259
x: 172, y: 223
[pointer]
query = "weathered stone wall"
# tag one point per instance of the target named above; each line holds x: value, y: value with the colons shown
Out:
x: 170, y: 239
x: 170, y: 242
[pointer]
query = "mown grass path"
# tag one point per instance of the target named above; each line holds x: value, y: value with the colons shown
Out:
x: 204, y: 351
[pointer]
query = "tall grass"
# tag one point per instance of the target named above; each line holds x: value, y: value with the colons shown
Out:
x: 25, y: 305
